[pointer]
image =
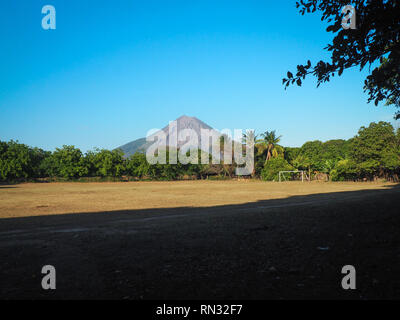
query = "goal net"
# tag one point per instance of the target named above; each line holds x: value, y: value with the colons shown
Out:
x: 296, y: 175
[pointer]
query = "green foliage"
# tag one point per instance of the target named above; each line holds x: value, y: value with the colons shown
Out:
x: 15, y: 161
x: 375, y: 40
x: 271, y: 140
x: 18, y: 161
x: 68, y: 162
x: 373, y: 153
x: 302, y: 162
x: 329, y: 166
x: 106, y: 163
x: 317, y: 156
x: 38, y: 157
x: 344, y: 170
x: 137, y: 166
x: 335, y: 150
x: 311, y: 156
x: 374, y: 141
x: 291, y: 153
x: 384, y: 84
x: 375, y: 150
x: 272, y: 168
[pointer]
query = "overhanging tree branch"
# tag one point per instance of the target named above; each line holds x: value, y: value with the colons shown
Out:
x: 375, y: 39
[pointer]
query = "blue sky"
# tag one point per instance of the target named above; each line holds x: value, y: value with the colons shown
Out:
x: 112, y: 70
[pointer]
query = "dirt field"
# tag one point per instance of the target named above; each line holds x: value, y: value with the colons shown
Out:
x: 35, y: 199
x: 200, y: 240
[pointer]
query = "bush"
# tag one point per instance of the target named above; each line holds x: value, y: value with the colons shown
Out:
x: 272, y: 168
x: 344, y: 170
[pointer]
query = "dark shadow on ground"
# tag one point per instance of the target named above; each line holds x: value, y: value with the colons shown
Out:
x: 291, y: 248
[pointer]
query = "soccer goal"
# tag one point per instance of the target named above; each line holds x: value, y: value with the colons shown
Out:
x: 292, y: 175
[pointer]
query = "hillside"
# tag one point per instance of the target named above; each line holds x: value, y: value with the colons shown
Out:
x: 183, y: 122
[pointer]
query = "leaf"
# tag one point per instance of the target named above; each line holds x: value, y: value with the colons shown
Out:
x: 298, y: 82
x: 330, y: 28
x: 290, y: 75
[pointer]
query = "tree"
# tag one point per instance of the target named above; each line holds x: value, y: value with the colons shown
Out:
x: 38, y: 157
x: 375, y: 39
x: 106, y: 163
x: 329, y: 166
x: 223, y: 139
x: 313, y: 151
x: 272, y: 168
x: 271, y: 141
x: 249, y: 136
x: 291, y: 153
x: 19, y: 161
x: 49, y: 166
x: 15, y: 161
x: 192, y: 169
x: 302, y: 162
x: 375, y: 150
x: 137, y: 165
x: 68, y: 162
x: 381, y: 80
x: 227, y: 169
x: 344, y: 170
x: 335, y: 150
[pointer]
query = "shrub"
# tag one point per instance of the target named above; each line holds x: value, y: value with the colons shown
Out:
x: 344, y: 170
x: 272, y: 168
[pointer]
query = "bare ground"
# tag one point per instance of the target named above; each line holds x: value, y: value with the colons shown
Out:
x: 37, y: 199
x: 200, y: 240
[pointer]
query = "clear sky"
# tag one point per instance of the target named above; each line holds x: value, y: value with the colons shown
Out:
x: 112, y: 70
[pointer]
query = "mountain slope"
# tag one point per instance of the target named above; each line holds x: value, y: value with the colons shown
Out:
x: 183, y: 122
x: 133, y: 146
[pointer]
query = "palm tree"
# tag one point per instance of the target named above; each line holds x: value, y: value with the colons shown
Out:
x: 250, y: 136
x: 249, y: 139
x: 271, y: 140
x: 329, y: 165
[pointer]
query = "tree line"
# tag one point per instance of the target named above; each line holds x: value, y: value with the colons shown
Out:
x: 373, y: 153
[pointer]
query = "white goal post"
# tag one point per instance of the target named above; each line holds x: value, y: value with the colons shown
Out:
x: 282, y: 175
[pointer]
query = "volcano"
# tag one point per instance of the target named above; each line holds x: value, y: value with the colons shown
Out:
x: 183, y: 122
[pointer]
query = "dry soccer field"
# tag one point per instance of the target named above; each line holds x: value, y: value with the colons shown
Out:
x: 36, y: 199
x: 200, y: 240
